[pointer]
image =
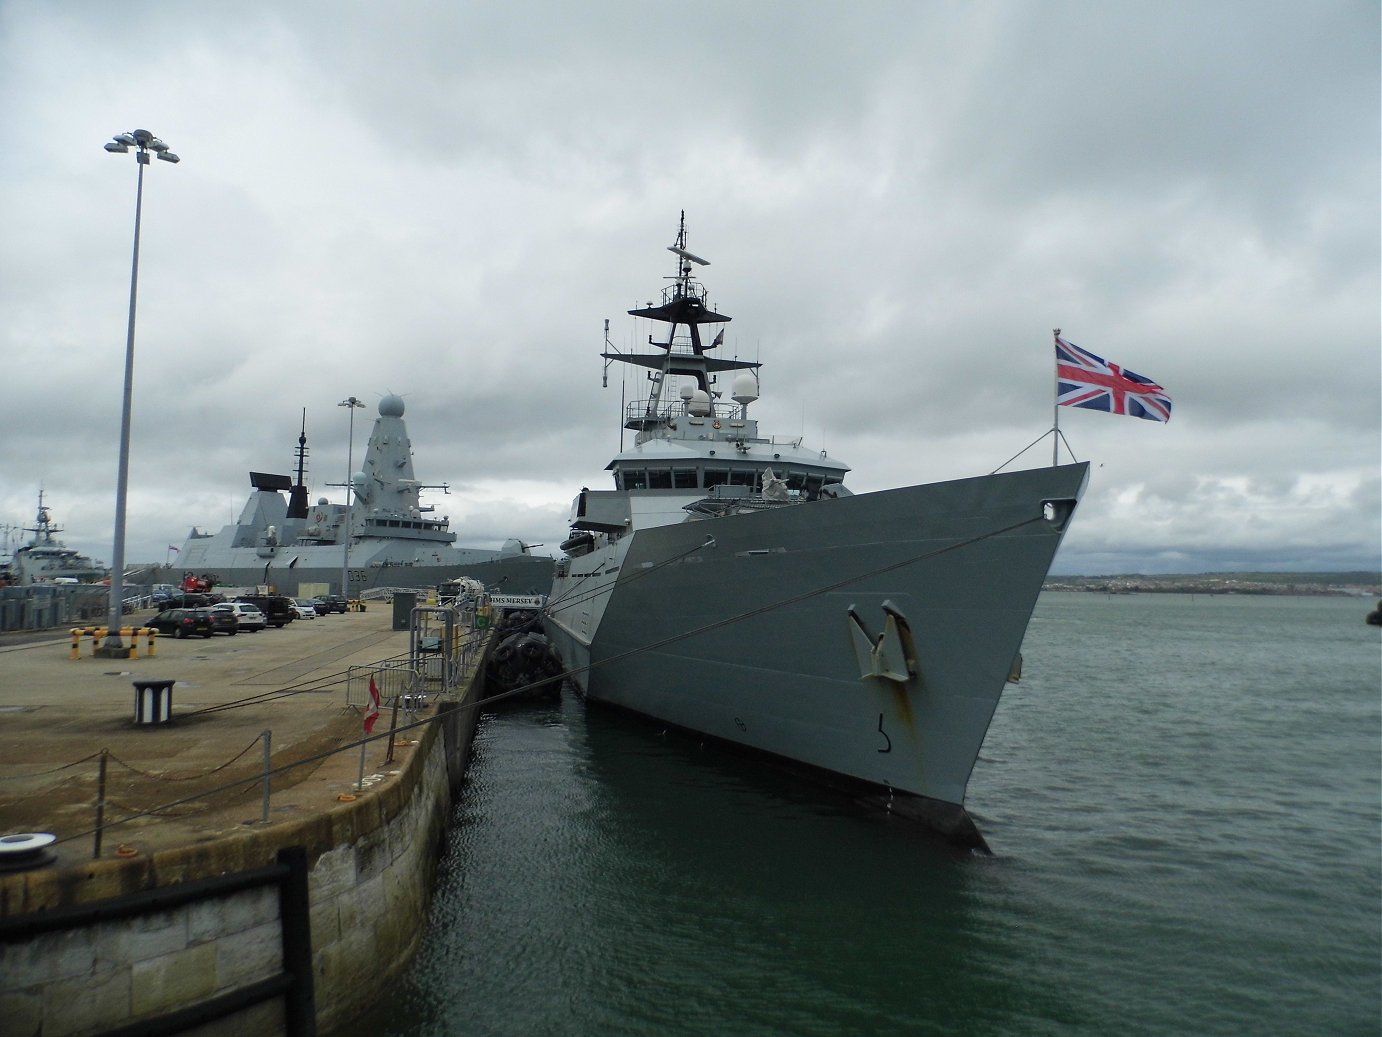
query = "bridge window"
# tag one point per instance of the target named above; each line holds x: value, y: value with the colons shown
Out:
x: 684, y: 478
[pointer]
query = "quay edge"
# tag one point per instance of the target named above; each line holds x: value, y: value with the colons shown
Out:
x: 371, y: 864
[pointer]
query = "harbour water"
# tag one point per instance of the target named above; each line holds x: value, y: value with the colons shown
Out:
x: 1182, y: 795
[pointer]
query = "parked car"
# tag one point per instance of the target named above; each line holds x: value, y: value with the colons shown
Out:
x: 221, y: 622
x: 183, y: 622
x: 277, y: 609
x: 247, y: 616
x: 334, y: 602
x: 305, y: 608
x: 319, y: 604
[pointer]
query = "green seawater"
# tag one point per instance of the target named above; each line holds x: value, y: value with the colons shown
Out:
x: 1183, y: 799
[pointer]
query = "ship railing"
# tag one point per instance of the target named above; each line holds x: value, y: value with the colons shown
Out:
x: 638, y: 410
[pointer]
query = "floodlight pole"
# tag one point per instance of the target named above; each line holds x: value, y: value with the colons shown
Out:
x: 352, y: 403
x: 144, y: 142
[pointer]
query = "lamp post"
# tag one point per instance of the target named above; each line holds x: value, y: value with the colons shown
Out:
x: 143, y: 142
x: 351, y: 403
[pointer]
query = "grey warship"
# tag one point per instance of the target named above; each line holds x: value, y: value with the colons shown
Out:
x: 47, y: 560
x: 298, y: 548
x: 731, y: 585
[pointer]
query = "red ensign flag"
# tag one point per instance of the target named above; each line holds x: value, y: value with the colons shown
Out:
x: 372, y: 713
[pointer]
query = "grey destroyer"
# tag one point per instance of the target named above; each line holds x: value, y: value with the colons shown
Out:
x: 299, y: 548
x: 731, y: 585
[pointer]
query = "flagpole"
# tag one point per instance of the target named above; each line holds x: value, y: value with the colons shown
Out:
x: 1055, y: 407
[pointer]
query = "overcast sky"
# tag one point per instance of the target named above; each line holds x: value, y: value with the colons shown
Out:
x: 900, y: 201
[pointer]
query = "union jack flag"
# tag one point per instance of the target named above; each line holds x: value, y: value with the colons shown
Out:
x: 1089, y: 381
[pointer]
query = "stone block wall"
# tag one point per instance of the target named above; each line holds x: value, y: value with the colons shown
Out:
x: 372, y: 863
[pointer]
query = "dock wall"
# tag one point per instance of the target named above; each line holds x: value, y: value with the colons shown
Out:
x: 370, y: 870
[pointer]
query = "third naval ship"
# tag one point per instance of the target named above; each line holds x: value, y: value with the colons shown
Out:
x: 47, y: 560
x: 731, y: 585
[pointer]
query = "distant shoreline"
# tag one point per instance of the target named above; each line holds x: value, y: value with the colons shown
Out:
x: 1331, y: 584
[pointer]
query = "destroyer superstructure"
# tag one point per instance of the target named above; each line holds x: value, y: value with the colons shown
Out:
x: 731, y: 585
x: 395, y: 541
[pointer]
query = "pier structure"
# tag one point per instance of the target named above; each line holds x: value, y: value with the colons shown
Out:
x: 256, y: 857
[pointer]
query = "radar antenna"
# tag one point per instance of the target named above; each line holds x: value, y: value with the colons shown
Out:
x: 680, y: 247
x: 688, y: 255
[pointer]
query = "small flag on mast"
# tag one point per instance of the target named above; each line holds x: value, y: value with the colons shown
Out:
x: 372, y: 712
x: 1091, y: 382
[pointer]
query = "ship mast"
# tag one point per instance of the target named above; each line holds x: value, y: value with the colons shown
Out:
x: 683, y: 303
x: 297, y: 496
x: 43, y: 528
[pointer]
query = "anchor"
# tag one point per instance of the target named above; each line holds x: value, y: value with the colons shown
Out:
x: 892, y: 655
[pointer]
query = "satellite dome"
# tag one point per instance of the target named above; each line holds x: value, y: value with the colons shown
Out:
x: 699, y: 404
x: 686, y: 390
x: 322, y: 502
x: 391, y: 406
x: 745, y: 388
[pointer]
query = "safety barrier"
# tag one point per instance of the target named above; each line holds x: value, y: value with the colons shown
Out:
x: 99, y: 634
x: 394, y: 679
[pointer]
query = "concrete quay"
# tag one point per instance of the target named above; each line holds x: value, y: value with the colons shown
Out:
x: 184, y: 809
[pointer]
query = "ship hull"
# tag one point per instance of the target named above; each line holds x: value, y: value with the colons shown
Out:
x: 751, y: 640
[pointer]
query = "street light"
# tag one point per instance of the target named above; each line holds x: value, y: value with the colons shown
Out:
x: 352, y: 403
x: 143, y: 142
